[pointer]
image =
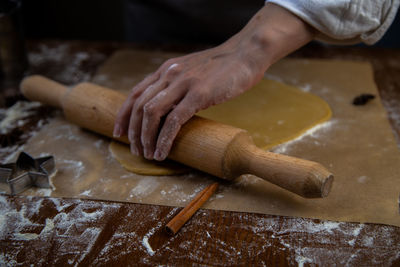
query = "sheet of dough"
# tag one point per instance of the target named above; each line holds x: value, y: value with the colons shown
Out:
x: 357, y: 145
x: 272, y: 112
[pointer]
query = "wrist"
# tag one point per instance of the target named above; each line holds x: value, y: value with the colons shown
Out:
x: 272, y: 34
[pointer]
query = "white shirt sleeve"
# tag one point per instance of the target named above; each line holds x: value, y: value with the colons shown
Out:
x: 345, y: 21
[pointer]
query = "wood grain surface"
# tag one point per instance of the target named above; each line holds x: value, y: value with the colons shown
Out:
x: 50, y: 231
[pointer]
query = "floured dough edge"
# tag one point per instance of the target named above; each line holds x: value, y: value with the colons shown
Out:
x: 140, y: 165
x: 326, y: 118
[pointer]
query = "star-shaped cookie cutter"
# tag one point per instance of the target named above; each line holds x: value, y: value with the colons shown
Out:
x: 27, y: 172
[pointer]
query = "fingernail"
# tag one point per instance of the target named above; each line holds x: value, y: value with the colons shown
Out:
x: 117, y: 131
x: 134, y: 150
x: 158, y: 155
x: 147, y: 154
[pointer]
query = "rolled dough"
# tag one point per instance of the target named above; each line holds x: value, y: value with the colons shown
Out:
x: 272, y: 112
x: 140, y: 165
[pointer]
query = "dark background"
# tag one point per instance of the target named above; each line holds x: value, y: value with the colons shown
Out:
x: 65, y: 19
x: 108, y: 20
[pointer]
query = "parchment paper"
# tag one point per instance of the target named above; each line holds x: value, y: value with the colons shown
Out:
x: 357, y: 145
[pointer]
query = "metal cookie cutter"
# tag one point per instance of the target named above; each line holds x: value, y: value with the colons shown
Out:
x: 27, y: 172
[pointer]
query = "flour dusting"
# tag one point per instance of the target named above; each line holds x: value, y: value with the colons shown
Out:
x: 144, y: 187
x: 305, y: 88
x: 393, y: 111
x: 301, y: 260
x: 86, y: 193
x: 362, y: 179
x: 146, y: 244
x: 313, y: 132
x: 14, y: 116
x: 76, y: 166
x: 11, y: 152
x: 68, y: 65
x: 290, y: 234
x: 73, y: 224
x: 145, y: 240
x: 72, y: 228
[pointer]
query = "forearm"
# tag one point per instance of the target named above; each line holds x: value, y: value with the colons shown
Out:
x: 270, y: 35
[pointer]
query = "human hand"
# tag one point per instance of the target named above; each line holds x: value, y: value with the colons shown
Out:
x: 176, y: 91
x: 158, y: 106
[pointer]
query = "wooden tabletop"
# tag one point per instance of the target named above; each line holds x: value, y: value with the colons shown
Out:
x: 52, y: 231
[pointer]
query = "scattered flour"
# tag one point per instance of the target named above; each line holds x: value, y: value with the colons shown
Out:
x: 25, y: 236
x: 306, y: 88
x: 146, y: 237
x: 99, y: 143
x: 301, y: 260
x: 60, y: 207
x: 93, y: 216
x: 11, y: 153
x: 14, y: 116
x: 86, y: 193
x: 73, y: 232
x: 313, y: 132
x: 393, y: 111
x: 362, y: 179
x: 145, y: 240
x: 45, y: 192
x: 146, y: 244
x: 144, y: 187
x: 90, y: 234
x: 48, y: 227
x: 208, y: 234
x: 273, y: 77
x: 19, y: 224
x: 68, y: 64
x: 76, y: 166
x: 290, y: 235
x: 176, y: 192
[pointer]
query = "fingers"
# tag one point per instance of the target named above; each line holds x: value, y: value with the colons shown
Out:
x: 175, y: 119
x: 153, y: 111
x: 136, y: 116
x: 140, y: 115
x: 122, y: 119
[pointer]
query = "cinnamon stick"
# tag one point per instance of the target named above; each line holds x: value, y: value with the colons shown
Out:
x: 184, y: 215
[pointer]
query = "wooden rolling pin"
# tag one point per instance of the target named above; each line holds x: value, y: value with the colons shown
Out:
x: 215, y: 148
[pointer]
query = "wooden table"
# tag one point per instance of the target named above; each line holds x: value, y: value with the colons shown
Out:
x: 51, y: 231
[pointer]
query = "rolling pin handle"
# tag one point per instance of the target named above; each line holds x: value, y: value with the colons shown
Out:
x: 306, y: 178
x: 41, y: 89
